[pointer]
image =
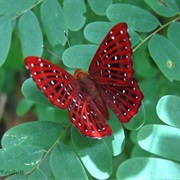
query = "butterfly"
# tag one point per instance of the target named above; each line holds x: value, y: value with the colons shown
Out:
x: 109, y: 83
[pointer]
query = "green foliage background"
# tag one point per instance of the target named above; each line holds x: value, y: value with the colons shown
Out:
x: 51, y: 148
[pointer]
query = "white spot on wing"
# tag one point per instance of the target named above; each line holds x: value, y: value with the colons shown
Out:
x: 112, y: 37
x: 65, y: 76
x: 97, y: 62
x: 80, y: 96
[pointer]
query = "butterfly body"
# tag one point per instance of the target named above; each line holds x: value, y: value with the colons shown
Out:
x: 88, y: 86
x: 109, y: 83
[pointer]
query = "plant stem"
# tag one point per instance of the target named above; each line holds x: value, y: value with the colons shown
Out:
x: 49, y: 150
x: 23, y: 12
x: 159, y: 29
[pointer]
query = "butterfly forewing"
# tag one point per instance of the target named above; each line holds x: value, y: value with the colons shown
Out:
x: 123, y: 101
x: 112, y: 62
x: 58, y: 85
x: 87, y: 118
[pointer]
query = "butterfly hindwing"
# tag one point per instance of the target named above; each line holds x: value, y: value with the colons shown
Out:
x: 58, y: 85
x: 123, y: 101
x: 87, y: 118
x: 112, y: 62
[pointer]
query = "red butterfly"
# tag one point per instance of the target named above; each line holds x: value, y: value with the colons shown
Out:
x: 108, y: 82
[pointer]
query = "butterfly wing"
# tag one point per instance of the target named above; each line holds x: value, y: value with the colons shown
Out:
x: 112, y: 71
x: 123, y: 101
x: 58, y: 85
x: 87, y: 118
x: 63, y: 91
x: 112, y: 62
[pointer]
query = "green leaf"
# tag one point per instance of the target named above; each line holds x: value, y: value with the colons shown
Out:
x: 31, y: 91
x: 137, y: 151
x: 24, y: 106
x: 45, y: 166
x: 166, y: 56
x: 168, y: 110
x: 19, y: 176
x: 6, y: 18
x: 20, y: 158
x: 53, y: 21
x: 160, y: 140
x: 132, y: 15
x: 148, y: 168
x: 165, y: 8
x: 79, y: 56
x: 73, y: 13
x: 151, y: 98
x: 115, y: 142
x: 137, y: 121
x: 47, y: 113
x: 39, y: 133
x: 5, y: 34
x: 30, y: 35
x: 65, y: 164
x: 37, y: 174
x: 99, y: 7
x: 96, y: 31
x: 143, y: 65
x: 11, y: 6
x: 174, y: 34
x: 94, y: 154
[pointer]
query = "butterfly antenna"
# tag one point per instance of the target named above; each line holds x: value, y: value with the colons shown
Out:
x: 51, y: 52
x: 69, y: 47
